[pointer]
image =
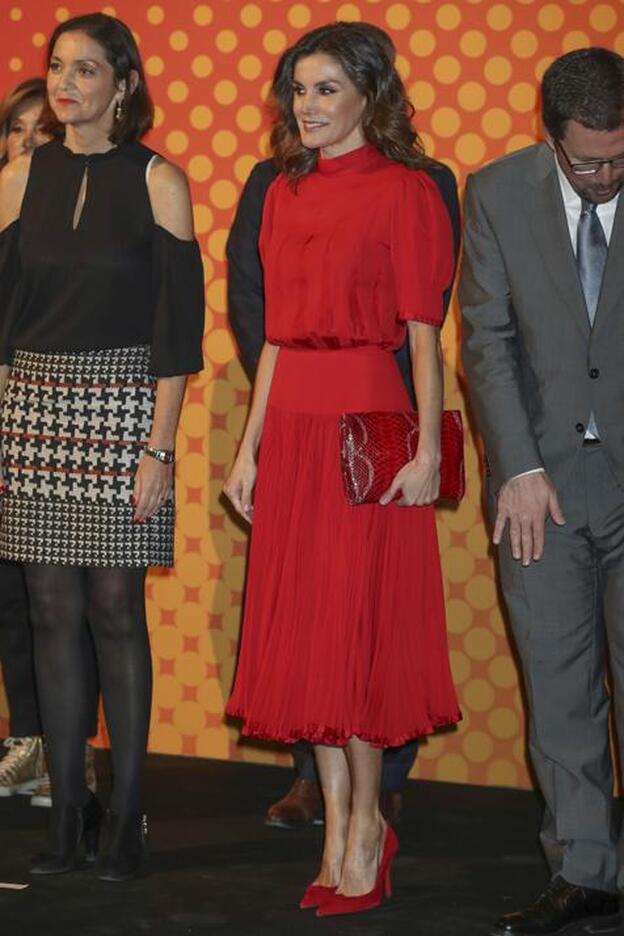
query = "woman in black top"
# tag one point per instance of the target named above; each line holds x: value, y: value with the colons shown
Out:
x: 102, y: 279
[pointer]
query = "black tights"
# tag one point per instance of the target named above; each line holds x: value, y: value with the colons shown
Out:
x: 73, y: 609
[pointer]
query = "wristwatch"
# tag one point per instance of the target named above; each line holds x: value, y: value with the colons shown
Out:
x: 166, y: 456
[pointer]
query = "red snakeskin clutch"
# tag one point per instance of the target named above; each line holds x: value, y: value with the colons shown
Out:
x: 374, y: 446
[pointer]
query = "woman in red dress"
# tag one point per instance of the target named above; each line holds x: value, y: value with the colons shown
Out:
x: 344, y: 640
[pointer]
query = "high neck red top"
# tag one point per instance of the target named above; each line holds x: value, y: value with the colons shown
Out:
x: 361, y: 246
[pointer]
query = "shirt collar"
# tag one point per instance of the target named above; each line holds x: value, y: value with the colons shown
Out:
x: 571, y: 199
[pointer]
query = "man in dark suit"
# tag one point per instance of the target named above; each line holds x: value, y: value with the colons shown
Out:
x: 542, y: 292
x: 302, y: 803
x: 23, y: 768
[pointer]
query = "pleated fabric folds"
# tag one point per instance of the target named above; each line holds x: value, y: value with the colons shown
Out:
x: 344, y: 628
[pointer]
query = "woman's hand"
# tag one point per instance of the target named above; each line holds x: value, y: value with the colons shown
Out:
x: 153, y: 485
x: 240, y: 485
x: 418, y: 481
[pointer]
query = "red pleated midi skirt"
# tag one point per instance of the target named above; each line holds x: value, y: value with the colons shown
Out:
x: 344, y: 627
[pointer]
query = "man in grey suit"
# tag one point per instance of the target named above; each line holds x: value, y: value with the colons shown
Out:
x: 542, y: 292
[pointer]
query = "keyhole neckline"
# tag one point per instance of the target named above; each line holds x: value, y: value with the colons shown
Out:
x: 88, y: 157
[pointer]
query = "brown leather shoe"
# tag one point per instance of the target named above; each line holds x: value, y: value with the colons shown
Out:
x: 301, y: 805
x: 390, y: 804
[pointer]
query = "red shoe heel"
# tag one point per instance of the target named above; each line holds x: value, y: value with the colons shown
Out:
x: 316, y: 895
x: 340, y: 904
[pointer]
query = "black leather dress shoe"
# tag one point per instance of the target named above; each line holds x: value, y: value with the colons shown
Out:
x: 564, y: 908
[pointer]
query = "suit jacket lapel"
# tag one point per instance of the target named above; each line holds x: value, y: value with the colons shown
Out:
x: 613, y: 282
x: 552, y: 236
x: 551, y: 233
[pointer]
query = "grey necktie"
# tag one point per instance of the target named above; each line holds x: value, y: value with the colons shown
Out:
x: 591, y: 255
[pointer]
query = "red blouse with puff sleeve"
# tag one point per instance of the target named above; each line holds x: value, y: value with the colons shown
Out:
x: 360, y: 247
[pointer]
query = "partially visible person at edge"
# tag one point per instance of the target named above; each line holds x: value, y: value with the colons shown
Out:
x: 542, y: 291
x: 344, y: 641
x: 23, y: 768
x: 103, y: 282
x: 303, y: 802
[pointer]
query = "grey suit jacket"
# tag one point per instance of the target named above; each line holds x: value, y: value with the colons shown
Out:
x: 535, y: 367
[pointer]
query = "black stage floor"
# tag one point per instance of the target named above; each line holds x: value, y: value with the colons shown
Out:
x: 467, y: 854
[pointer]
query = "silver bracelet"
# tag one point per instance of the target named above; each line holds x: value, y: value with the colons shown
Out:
x: 166, y: 456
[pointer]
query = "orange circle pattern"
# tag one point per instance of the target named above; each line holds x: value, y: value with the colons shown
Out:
x: 472, y: 69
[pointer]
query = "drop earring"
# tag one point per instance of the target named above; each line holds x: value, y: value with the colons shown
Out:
x: 118, y: 110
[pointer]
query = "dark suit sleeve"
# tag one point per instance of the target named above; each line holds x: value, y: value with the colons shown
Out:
x: 10, y: 272
x: 491, y: 348
x: 245, y: 280
x: 445, y: 180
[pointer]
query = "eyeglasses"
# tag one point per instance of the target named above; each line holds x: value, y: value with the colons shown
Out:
x: 592, y: 166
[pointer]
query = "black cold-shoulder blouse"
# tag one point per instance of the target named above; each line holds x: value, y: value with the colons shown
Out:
x: 109, y: 278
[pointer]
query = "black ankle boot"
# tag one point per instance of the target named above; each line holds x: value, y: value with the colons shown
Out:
x: 127, y: 846
x: 70, y: 826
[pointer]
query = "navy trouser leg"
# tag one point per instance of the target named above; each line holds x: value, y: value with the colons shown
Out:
x: 16, y: 653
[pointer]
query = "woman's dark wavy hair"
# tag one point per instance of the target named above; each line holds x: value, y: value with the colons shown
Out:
x: 366, y: 55
x: 26, y: 92
x: 586, y: 85
x: 123, y: 55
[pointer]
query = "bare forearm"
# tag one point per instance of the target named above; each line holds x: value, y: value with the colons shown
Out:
x: 169, y: 396
x: 255, y: 422
x: 428, y: 386
x: 4, y: 376
x: 418, y: 482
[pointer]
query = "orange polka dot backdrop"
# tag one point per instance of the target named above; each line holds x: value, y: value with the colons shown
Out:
x: 471, y: 68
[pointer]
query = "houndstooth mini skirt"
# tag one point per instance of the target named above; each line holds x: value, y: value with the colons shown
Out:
x: 73, y: 425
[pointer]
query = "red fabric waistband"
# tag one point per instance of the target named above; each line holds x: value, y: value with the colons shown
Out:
x: 347, y: 380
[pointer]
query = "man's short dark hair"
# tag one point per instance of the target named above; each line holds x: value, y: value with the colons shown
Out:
x: 586, y: 85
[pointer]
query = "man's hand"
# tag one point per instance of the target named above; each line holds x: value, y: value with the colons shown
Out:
x: 525, y: 502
